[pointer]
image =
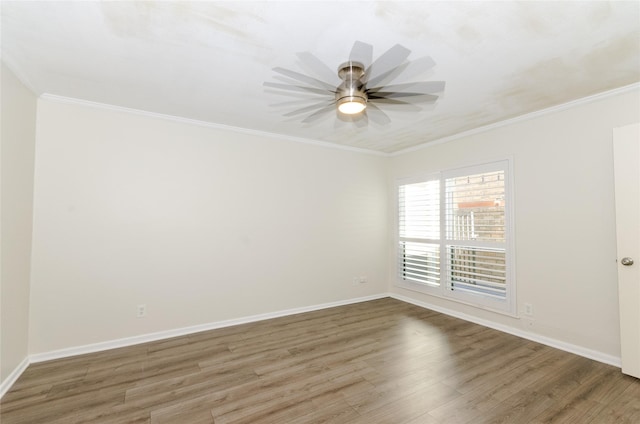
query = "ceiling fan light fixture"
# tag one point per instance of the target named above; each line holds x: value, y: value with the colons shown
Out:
x: 351, y: 105
x: 351, y: 97
x: 362, y: 83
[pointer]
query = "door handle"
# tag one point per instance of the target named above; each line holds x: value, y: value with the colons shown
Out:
x: 626, y: 261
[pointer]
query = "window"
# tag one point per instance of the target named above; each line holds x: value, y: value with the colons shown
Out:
x: 454, y: 237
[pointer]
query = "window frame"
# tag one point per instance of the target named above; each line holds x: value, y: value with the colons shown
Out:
x: 504, y: 306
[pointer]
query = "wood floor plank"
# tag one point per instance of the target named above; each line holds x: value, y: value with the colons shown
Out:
x: 382, y: 361
x: 336, y: 413
x: 408, y: 407
x: 624, y: 410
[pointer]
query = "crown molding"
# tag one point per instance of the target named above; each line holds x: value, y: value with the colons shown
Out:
x: 325, y: 144
x: 213, y: 125
x: 521, y: 118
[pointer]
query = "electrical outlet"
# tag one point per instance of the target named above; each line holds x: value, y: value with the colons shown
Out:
x: 528, y: 309
x: 362, y: 280
x: 141, y: 311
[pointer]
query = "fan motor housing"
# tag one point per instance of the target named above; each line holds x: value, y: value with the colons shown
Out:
x: 352, y: 89
x: 351, y: 71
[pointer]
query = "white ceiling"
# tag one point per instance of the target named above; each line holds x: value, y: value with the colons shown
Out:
x: 208, y: 60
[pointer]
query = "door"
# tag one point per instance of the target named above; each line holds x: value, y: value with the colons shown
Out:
x: 626, y: 157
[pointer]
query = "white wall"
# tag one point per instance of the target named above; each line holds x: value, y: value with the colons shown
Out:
x: 200, y: 224
x: 17, y: 144
x: 204, y: 224
x: 564, y: 217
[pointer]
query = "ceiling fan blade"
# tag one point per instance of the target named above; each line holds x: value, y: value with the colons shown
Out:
x: 397, y: 103
x: 303, y: 100
x: 376, y: 115
x: 420, y: 97
x: 390, y: 75
x: 300, y: 96
x: 406, y: 70
x: 319, y: 68
x: 393, y: 57
x: 304, y: 78
x: 418, y: 67
x: 311, y: 108
x: 360, y: 121
x: 318, y: 114
x: 426, y: 87
x: 297, y: 88
x: 361, y: 52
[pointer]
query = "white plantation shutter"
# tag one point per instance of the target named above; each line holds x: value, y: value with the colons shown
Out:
x: 453, y: 235
x: 475, y: 222
x: 420, y: 210
x: 419, y: 232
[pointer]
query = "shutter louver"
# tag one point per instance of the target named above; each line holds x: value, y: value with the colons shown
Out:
x: 419, y: 223
x: 420, y: 262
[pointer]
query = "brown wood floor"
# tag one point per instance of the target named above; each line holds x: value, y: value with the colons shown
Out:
x: 382, y: 361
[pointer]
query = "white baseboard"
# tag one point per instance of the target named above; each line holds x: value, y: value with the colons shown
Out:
x: 13, y: 377
x: 130, y: 341
x: 558, y: 344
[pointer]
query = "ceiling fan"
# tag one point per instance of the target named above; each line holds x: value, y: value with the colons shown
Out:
x: 359, y: 90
